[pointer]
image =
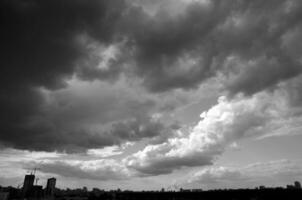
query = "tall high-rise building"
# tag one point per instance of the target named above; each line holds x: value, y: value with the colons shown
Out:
x: 50, y: 187
x: 28, y: 184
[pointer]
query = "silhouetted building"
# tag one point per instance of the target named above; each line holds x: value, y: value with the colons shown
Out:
x: 50, y: 187
x: 28, y: 184
x: 4, y: 195
x: 72, y: 198
x: 97, y: 192
x: 290, y: 187
x: 297, y: 185
x: 196, y: 190
x: 36, y: 192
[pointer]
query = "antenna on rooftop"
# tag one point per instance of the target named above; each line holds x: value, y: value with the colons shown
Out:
x: 19, y: 185
x: 33, y: 170
x: 37, y: 179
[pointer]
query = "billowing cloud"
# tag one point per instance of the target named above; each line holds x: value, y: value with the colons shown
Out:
x: 262, y: 115
x: 221, y: 125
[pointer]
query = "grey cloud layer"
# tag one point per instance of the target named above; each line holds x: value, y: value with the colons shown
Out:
x: 93, y: 170
x: 253, y: 44
x: 265, y: 173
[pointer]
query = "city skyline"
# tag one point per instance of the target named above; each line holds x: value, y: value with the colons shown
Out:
x: 33, y: 191
x: 151, y: 94
x: 30, y: 184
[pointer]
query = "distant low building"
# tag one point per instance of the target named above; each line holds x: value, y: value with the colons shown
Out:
x: 196, y: 190
x: 97, y: 192
x: 4, y: 195
x: 72, y: 198
x: 297, y: 185
x: 36, y: 192
x: 290, y: 187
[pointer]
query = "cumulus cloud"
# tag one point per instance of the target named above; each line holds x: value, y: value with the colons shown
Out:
x: 221, y: 125
x: 262, y: 115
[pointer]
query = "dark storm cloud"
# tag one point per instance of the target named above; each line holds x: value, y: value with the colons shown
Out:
x: 77, y: 133
x: 162, y: 42
x: 42, y: 46
x: 39, y: 49
x: 38, y: 38
x: 263, y: 73
x: 208, y: 34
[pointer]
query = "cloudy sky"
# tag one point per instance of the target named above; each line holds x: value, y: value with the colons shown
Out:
x: 145, y: 94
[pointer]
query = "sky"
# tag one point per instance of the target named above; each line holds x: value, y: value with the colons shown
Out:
x: 151, y: 94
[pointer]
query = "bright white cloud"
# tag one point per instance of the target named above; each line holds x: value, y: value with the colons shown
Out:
x: 105, y: 152
x: 261, y: 115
